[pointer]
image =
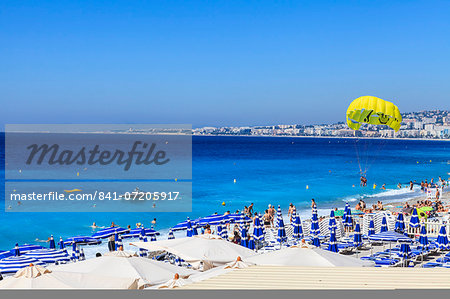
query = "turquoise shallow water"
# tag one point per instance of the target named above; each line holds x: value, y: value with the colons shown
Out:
x: 267, y: 170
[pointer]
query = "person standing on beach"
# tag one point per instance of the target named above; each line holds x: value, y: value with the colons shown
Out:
x: 411, y: 185
x: 236, y: 238
x: 250, y: 209
x: 267, y: 219
x: 111, y: 243
x: 254, y: 217
x: 271, y: 213
x: 313, y: 204
x: 291, y: 211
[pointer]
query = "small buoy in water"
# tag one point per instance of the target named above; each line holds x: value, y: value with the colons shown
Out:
x: 176, y: 179
x: 234, y: 181
x: 223, y: 203
x: 307, y: 187
x: 329, y: 171
x: 430, y: 160
x: 78, y: 174
x: 20, y: 170
x: 167, y: 142
x: 417, y: 162
x: 353, y: 186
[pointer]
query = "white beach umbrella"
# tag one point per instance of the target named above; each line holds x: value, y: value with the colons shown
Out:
x: 175, y: 282
x: 208, y: 248
x: 238, y: 264
x: 148, y: 272
x: 309, y: 257
x: 120, y: 253
x: 37, y: 277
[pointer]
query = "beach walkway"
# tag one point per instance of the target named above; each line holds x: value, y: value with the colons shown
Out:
x: 303, y: 278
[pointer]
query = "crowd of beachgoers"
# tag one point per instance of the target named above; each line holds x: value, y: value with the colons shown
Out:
x: 359, y: 233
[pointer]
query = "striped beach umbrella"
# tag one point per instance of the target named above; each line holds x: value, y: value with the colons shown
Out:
x: 332, y: 244
x: 81, y: 240
x: 279, y: 215
x: 348, y: 221
x: 137, y: 232
x: 371, y: 228
x: 251, y: 244
x: 61, y: 243
x: 153, y: 236
x: 442, y: 239
x: 213, y: 220
x: 400, y: 223
x: 49, y: 255
x: 75, y: 252
x: 219, y: 229
x: 244, y: 236
x: 14, y: 263
x: 281, y: 235
x: 423, y: 239
x: 258, y: 234
x: 357, y: 238
x: 262, y: 224
x: 52, y: 244
x: 315, y: 229
x: 109, y: 231
x: 184, y: 225
x: 194, y: 229
x: 223, y: 231
x: 170, y: 236
x: 20, y: 249
x: 5, y: 254
x: 332, y: 226
x: 346, y: 209
x: 297, y: 226
x: 190, y: 230
x: 405, y: 250
x: 82, y: 256
x: 414, y: 220
x: 118, y: 241
x: 384, y: 227
x: 142, y: 238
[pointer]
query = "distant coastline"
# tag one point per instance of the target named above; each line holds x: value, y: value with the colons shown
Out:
x: 323, y: 137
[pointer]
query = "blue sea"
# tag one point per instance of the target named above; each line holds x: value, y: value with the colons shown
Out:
x: 261, y: 170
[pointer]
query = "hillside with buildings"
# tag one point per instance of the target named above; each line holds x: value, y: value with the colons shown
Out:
x: 434, y: 124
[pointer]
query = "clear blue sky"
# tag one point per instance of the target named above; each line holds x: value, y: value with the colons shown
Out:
x: 218, y: 63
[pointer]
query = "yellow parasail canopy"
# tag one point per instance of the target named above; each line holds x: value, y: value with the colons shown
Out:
x: 375, y: 111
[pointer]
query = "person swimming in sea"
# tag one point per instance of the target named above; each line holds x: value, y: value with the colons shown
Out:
x: 383, y: 187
